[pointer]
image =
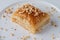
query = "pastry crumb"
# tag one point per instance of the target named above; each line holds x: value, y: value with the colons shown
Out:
x: 36, y: 14
x: 41, y: 39
x: 12, y: 8
x: 6, y: 29
x: 53, y: 37
x: 43, y: 14
x: 15, y: 29
x: 11, y: 34
x: 53, y: 9
x: 50, y: 13
x: 2, y: 37
x: 58, y: 16
x: 3, y: 16
x: 34, y: 38
x: 8, y: 10
x: 53, y: 24
x: 1, y: 28
x: 25, y: 37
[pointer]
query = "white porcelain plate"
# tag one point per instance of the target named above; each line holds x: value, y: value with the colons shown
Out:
x: 13, y: 31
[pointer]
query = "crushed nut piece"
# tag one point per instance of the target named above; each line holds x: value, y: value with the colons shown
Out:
x: 53, y: 37
x: 0, y: 36
x: 11, y: 12
x: 1, y: 28
x: 6, y: 29
x: 34, y: 38
x: 30, y: 11
x: 43, y: 14
x: 26, y: 6
x: 30, y: 8
x: 36, y: 14
x: 53, y: 24
x: 11, y: 34
x: 53, y: 9
x: 25, y: 37
x: 8, y: 10
x: 12, y: 8
x: 27, y: 10
x: 15, y: 29
x: 3, y: 36
x: 3, y: 16
x: 20, y: 12
x: 41, y: 39
x: 58, y: 16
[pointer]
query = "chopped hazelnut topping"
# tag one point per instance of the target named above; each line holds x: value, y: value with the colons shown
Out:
x: 35, y: 10
x: 43, y: 14
x: 36, y: 14
x: 30, y: 11
x: 31, y: 8
x: 24, y: 11
x: 20, y: 12
x: 26, y: 6
x: 17, y: 10
x: 27, y: 10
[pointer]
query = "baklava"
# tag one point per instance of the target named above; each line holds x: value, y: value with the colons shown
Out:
x: 30, y: 18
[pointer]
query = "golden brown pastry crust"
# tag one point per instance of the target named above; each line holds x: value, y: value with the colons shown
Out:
x: 32, y: 14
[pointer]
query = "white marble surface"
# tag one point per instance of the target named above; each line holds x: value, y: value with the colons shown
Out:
x: 5, y: 3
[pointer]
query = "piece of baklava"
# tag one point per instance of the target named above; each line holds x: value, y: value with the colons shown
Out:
x: 30, y: 18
